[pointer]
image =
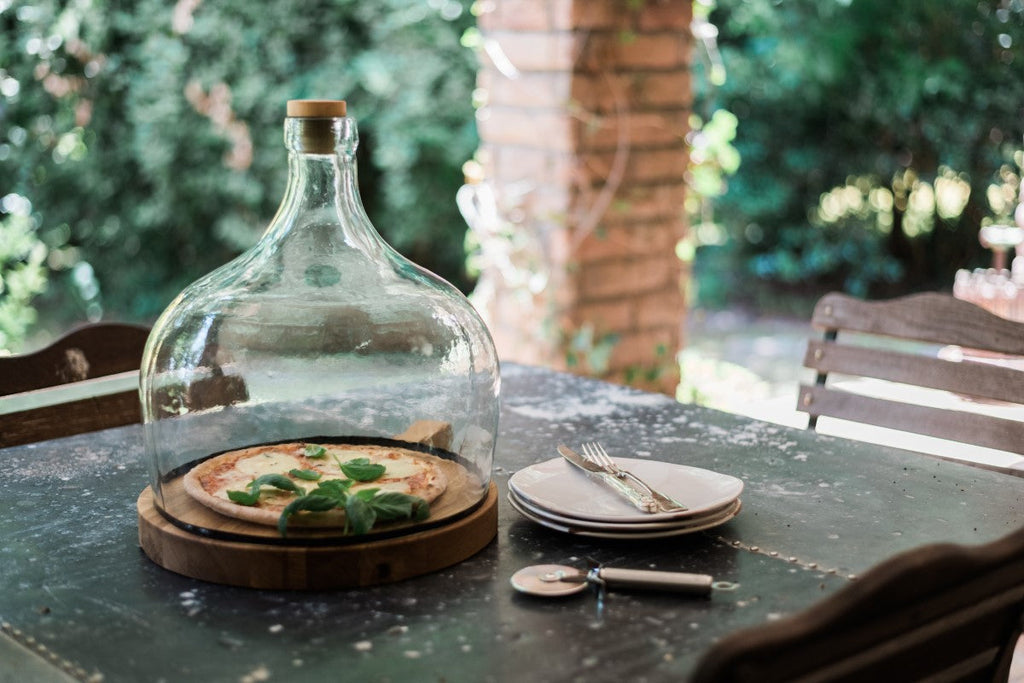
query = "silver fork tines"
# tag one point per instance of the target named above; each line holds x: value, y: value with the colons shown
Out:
x: 596, y: 453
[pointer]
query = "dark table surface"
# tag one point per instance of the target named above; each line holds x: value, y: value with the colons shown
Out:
x: 76, y: 589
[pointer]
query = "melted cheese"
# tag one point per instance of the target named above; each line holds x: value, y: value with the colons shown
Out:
x: 400, y: 486
x: 402, y: 466
x: 267, y: 462
x: 247, y: 469
x: 398, y: 475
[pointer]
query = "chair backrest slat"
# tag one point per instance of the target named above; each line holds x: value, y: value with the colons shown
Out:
x: 970, y: 359
x: 66, y: 419
x: 79, y: 358
x: 942, y: 612
x: 968, y: 378
x: 981, y: 430
x: 90, y: 351
x: 929, y: 317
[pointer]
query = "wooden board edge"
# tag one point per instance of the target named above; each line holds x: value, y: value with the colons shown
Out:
x: 255, y: 565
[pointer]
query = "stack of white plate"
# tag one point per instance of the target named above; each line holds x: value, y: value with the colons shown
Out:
x: 560, y: 496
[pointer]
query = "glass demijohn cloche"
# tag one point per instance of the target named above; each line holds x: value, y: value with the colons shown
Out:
x: 319, y: 333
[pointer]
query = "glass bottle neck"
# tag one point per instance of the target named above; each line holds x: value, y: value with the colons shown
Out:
x: 322, y: 187
x: 317, y: 182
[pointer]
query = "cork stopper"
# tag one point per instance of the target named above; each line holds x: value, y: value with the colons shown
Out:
x: 316, y: 109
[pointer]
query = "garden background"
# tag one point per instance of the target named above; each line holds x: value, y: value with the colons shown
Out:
x: 836, y: 144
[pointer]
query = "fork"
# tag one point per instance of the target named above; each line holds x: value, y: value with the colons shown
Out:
x: 597, y: 454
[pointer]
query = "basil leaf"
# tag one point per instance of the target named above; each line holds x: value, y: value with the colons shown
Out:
x: 366, y: 494
x: 420, y: 509
x: 310, y: 503
x: 361, y: 469
x: 336, y: 488
x: 308, y: 475
x: 313, y: 451
x: 244, y: 497
x: 393, y: 505
x: 250, y: 497
x: 359, y: 514
x: 363, y: 508
x: 278, y: 481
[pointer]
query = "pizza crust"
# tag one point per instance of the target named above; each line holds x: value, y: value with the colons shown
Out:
x: 406, y: 471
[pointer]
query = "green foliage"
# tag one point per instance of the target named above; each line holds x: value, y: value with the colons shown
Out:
x: 830, y: 93
x: 590, y: 351
x: 22, y: 272
x: 712, y: 156
x: 148, y: 135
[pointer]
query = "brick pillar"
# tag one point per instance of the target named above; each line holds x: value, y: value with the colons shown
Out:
x: 582, y: 132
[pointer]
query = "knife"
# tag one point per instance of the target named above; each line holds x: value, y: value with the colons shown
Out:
x: 640, y: 498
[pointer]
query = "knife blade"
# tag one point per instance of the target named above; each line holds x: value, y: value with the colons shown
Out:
x: 625, y: 487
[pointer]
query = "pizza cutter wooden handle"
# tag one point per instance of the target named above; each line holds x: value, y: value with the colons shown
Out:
x: 645, y: 579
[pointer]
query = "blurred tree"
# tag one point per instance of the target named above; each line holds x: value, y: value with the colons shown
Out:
x: 870, y: 133
x: 147, y: 136
x: 22, y: 273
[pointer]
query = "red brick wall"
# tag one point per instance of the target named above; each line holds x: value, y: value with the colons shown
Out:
x: 583, y: 131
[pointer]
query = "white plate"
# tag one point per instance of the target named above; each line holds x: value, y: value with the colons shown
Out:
x: 622, y: 527
x: 714, y: 521
x: 561, y: 488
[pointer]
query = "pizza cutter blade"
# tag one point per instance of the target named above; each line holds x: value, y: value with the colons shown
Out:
x: 551, y: 580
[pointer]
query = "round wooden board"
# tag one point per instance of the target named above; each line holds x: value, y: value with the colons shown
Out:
x: 353, y: 565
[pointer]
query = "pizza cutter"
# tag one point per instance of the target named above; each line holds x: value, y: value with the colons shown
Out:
x: 552, y: 580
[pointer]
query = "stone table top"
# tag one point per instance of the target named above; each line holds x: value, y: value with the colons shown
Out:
x: 76, y: 589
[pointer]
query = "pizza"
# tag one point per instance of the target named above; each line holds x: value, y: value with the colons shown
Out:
x: 225, y: 482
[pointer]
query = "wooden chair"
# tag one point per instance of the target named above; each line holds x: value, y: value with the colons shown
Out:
x: 938, y: 613
x: 77, y: 362
x: 975, y: 359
